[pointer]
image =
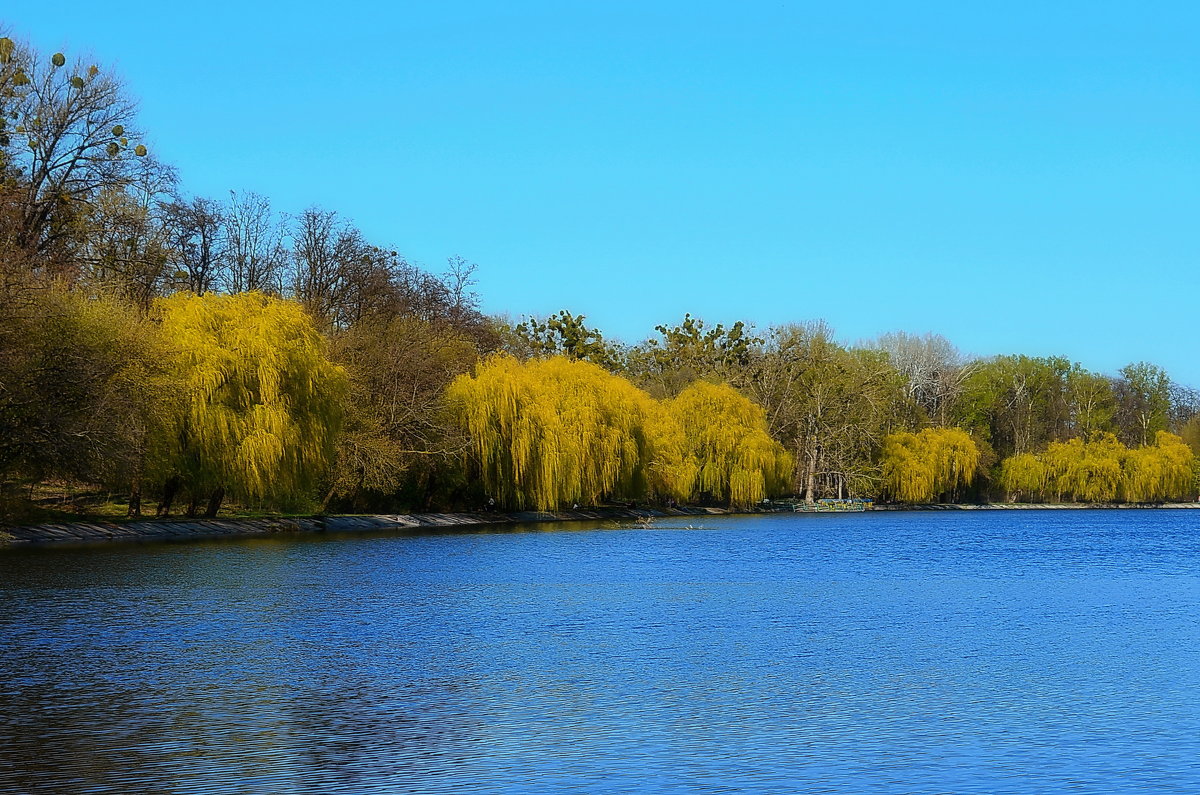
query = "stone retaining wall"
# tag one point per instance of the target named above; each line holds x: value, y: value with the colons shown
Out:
x: 86, y: 532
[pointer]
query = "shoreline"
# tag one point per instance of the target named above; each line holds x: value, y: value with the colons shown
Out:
x: 203, y: 529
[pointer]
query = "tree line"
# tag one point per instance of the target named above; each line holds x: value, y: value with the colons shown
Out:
x: 185, y: 351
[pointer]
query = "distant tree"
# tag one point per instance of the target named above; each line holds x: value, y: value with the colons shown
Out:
x: 936, y: 462
x: 396, y: 425
x: 196, y: 246
x: 932, y: 368
x: 1101, y: 469
x: 1185, y: 405
x: 1023, y: 477
x: 1143, y: 393
x: 726, y: 449
x: 688, y: 352
x: 1017, y: 403
x: 551, y: 432
x: 1162, y: 471
x: 564, y: 334
x: 1190, y: 433
x: 830, y: 407
x: 1091, y: 402
x: 1085, y: 470
x: 254, y: 245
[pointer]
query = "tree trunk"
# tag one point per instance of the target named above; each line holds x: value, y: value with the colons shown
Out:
x: 811, y: 484
x: 170, y: 489
x: 135, y: 496
x: 328, y: 497
x: 135, y: 487
x: 214, y: 502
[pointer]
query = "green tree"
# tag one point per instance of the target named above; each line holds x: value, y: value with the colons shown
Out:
x: 691, y: 351
x: 830, y: 407
x: 1017, y: 403
x: 1143, y: 402
x: 564, y: 334
x: 1092, y: 404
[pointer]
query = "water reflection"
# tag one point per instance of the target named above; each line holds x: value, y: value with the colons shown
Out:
x: 896, y: 653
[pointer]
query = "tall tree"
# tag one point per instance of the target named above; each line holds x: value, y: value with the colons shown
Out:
x: 1017, y: 403
x: 932, y: 368
x: 728, y: 453
x: 565, y: 334
x: 196, y: 246
x: 830, y: 407
x: 551, y: 432
x: 254, y: 245
x: 936, y: 462
x: 1143, y: 394
x: 262, y: 403
x: 68, y: 133
x: 688, y: 352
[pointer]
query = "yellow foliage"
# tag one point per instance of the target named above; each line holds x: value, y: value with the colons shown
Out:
x: 1085, y: 471
x: 549, y: 432
x: 1023, y: 475
x: 261, y: 404
x: 553, y: 431
x: 918, y: 467
x: 726, y: 448
x: 1161, y: 471
x: 1104, y: 470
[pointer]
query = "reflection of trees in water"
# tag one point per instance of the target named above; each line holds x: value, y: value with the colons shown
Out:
x: 180, y: 668
x: 230, y: 667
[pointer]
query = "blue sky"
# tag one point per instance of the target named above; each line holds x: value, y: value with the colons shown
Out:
x: 1021, y: 177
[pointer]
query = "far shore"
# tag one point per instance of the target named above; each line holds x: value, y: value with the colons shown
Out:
x: 87, y: 532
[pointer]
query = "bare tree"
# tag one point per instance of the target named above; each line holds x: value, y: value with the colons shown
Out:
x: 933, y: 369
x: 196, y: 239
x: 68, y: 133
x: 254, y: 245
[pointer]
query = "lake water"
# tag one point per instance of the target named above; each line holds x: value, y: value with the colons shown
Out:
x: 991, y: 652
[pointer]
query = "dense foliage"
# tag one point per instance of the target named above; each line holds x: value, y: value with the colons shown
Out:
x: 1101, y: 469
x: 188, y: 351
x: 259, y: 403
x: 550, y: 432
x: 936, y: 462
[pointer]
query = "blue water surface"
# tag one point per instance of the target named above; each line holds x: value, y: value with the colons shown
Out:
x: 989, y: 652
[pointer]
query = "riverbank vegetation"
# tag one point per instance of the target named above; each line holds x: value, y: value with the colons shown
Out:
x: 181, y: 353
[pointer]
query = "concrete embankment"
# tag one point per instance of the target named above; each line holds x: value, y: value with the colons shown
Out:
x: 184, y: 529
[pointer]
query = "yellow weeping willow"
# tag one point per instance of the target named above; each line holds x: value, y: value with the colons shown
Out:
x: 550, y: 432
x: 553, y: 431
x: 1102, y: 469
x: 261, y: 404
x: 919, y: 467
x: 714, y: 440
x: 1023, y: 476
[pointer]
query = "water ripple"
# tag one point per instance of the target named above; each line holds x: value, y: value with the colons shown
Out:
x: 909, y: 653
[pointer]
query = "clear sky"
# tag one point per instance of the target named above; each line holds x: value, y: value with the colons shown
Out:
x: 1021, y: 177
